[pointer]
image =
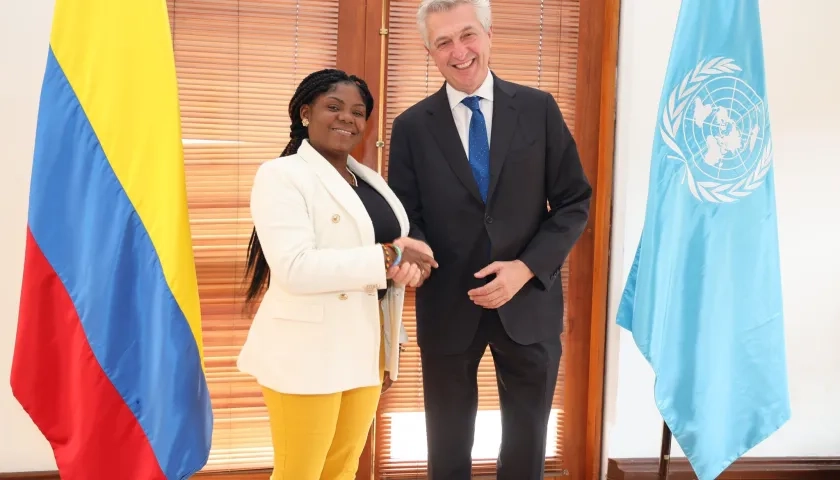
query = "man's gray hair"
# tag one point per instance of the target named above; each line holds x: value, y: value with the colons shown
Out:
x: 482, y: 11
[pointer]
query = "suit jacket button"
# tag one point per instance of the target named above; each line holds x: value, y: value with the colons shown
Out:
x: 370, y: 289
x: 336, y: 218
x: 488, y: 219
x: 342, y: 296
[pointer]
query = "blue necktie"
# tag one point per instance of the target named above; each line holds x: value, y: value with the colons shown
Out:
x: 479, y: 146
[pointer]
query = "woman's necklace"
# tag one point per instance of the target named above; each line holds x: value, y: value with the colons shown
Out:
x: 355, y: 181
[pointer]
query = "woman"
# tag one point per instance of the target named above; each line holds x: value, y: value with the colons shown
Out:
x: 332, y: 235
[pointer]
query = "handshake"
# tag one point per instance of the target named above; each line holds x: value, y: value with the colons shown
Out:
x: 415, y: 265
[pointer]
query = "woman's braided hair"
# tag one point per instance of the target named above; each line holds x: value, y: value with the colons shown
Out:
x: 309, y: 89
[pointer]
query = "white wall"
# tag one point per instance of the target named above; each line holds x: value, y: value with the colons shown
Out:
x: 802, y: 73
x: 805, y: 107
x: 24, y: 40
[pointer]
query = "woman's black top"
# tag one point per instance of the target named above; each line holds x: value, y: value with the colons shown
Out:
x: 386, y: 227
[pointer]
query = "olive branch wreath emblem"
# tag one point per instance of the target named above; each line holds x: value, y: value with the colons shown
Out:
x: 672, y: 116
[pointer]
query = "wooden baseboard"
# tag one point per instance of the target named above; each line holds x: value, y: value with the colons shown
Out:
x: 747, y: 468
x: 261, y: 474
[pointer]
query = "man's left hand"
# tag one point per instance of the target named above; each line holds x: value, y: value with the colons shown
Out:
x: 510, y: 278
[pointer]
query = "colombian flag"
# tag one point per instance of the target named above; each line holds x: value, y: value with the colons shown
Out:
x: 108, y: 358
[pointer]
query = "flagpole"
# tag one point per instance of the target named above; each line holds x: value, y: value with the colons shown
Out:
x: 665, y: 452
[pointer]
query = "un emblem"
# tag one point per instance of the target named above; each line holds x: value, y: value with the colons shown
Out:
x: 718, y: 127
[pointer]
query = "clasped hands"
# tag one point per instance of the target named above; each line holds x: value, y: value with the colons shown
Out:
x: 418, y: 260
x: 415, y: 265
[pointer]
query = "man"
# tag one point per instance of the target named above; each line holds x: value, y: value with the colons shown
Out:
x: 475, y: 164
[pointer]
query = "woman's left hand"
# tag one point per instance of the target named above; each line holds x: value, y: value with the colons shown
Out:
x: 386, y: 384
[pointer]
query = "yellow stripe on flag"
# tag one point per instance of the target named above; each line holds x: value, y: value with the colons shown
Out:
x: 132, y: 104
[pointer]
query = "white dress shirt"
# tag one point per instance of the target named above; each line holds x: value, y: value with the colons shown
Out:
x: 462, y: 113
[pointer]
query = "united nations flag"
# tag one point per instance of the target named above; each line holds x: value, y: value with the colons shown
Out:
x: 703, y: 299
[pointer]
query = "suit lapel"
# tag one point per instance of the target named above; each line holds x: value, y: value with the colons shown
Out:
x: 340, y: 190
x: 442, y: 126
x: 505, y: 117
x: 378, y: 183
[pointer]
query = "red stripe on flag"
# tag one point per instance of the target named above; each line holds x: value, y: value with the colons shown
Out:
x: 61, y: 385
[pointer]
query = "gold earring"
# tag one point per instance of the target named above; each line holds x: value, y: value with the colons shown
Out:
x: 305, y: 122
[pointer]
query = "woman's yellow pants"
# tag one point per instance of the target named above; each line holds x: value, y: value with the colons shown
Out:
x: 320, y: 437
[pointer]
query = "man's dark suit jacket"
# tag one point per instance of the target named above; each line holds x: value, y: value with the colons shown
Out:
x: 533, y: 160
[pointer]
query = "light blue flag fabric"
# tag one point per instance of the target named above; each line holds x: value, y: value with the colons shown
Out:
x: 703, y: 299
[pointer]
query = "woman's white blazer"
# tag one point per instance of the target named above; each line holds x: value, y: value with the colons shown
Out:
x: 317, y: 328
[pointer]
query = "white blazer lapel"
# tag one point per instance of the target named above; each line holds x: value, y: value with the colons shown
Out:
x: 340, y: 190
x: 394, y: 301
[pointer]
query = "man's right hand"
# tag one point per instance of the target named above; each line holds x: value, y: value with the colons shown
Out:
x: 416, y: 263
x: 408, y: 244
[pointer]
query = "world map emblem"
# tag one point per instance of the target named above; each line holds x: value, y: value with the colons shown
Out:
x: 718, y: 127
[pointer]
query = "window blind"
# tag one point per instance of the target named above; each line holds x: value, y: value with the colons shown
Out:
x: 238, y: 63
